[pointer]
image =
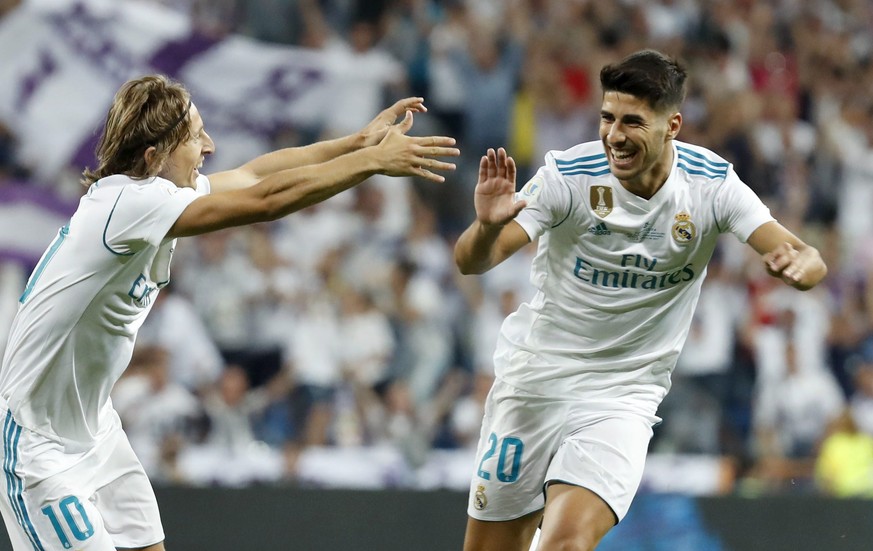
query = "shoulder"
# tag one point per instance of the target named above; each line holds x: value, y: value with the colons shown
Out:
x: 586, y: 159
x: 695, y: 160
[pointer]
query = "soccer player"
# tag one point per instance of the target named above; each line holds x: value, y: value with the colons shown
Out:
x: 626, y: 227
x: 71, y: 478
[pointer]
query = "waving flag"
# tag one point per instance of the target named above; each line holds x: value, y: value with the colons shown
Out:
x: 63, y: 60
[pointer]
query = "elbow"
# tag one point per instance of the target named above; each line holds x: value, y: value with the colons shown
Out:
x: 465, y: 270
x: 271, y: 208
x: 464, y: 265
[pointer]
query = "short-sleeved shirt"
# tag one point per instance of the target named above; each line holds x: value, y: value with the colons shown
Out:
x: 617, y: 276
x: 78, y: 316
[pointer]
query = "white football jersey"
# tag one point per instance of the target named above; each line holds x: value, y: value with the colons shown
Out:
x: 617, y: 276
x: 74, y: 332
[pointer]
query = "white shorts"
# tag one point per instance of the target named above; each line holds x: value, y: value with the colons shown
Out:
x: 528, y: 441
x: 94, y: 499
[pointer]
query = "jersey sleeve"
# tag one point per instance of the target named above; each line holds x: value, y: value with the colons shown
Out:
x: 144, y: 213
x: 548, y: 202
x: 738, y: 209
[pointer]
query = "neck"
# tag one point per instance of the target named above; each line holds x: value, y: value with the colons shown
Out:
x: 647, y: 184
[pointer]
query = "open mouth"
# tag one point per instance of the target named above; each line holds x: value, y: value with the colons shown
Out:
x: 622, y: 159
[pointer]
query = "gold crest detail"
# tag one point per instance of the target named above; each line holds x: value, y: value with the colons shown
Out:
x: 480, y: 500
x: 683, y: 230
x: 601, y: 200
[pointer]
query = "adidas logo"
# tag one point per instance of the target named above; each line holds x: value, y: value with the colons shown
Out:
x: 599, y: 229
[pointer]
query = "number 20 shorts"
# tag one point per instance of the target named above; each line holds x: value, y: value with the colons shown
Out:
x: 528, y: 441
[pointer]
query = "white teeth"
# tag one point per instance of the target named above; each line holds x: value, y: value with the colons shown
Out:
x: 622, y: 155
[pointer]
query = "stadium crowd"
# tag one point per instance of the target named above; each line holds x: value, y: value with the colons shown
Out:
x: 347, y: 326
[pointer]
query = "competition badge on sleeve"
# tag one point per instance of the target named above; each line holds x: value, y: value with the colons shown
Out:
x: 531, y: 190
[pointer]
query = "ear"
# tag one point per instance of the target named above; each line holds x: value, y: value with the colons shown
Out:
x: 674, y: 124
x: 150, y: 155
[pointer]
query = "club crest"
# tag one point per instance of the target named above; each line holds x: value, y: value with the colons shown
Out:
x: 683, y: 230
x: 480, y: 501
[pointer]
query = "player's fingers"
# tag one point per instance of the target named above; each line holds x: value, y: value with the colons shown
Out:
x: 483, y: 169
x: 404, y: 125
x: 428, y: 175
x: 434, y: 141
x: 407, y: 104
x: 434, y: 164
x: 793, y: 274
x: 501, y: 162
x: 492, y: 163
x: 518, y: 206
x: 510, y: 169
x: 438, y: 151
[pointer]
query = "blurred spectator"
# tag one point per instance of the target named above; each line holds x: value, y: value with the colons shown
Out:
x: 424, y: 338
x: 861, y: 402
x: 693, y: 411
x: 231, y: 455
x: 159, y: 415
x: 362, y: 75
x: 792, y: 411
x: 844, y: 466
x: 313, y: 364
x: 193, y: 358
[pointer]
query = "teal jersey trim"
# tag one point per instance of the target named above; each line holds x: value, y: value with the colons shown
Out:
x: 106, y: 227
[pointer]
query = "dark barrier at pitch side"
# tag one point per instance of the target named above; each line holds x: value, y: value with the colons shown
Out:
x: 295, y: 519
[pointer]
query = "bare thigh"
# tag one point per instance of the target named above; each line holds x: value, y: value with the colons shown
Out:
x: 155, y: 547
x: 506, y: 535
x: 574, y: 518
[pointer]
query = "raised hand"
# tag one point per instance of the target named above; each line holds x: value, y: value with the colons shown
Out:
x: 376, y: 130
x: 402, y: 155
x: 494, y: 197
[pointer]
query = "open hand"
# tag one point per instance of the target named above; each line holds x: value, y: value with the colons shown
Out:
x: 494, y: 197
x: 376, y: 130
x: 402, y: 155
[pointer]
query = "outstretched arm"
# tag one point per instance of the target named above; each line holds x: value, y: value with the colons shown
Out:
x: 787, y: 257
x: 494, y: 236
x: 294, y: 157
x: 287, y: 191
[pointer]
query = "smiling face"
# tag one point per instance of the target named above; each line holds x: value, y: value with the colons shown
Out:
x: 636, y: 139
x: 182, y: 164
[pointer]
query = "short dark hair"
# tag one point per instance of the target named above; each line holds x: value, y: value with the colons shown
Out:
x: 648, y: 75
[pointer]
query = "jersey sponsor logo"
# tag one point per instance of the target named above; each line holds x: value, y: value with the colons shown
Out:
x: 599, y: 229
x: 141, y: 291
x: 627, y: 274
x: 601, y: 200
x: 480, y: 500
x: 683, y: 230
x: 531, y: 190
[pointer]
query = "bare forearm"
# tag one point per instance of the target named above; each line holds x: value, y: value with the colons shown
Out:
x: 290, y: 190
x: 276, y: 196
x: 475, y: 248
x: 295, y: 157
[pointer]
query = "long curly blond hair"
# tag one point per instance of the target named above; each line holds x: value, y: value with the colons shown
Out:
x: 147, y: 111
